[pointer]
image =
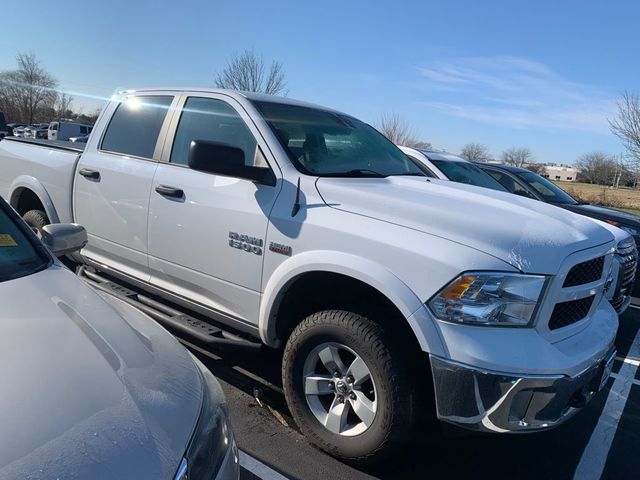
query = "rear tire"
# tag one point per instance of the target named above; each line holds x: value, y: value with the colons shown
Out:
x: 36, y: 219
x: 389, y: 391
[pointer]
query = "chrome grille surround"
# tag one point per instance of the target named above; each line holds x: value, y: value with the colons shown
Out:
x: 558, y: 293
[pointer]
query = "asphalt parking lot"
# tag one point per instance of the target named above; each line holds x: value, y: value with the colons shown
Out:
x: 600, y: 442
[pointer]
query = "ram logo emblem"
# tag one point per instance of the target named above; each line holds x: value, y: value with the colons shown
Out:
x: 245, y: 242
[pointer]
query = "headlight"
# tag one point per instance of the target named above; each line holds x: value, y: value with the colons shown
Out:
x: 212, y: 437
x: 626, y: 246
x: 489, y: 298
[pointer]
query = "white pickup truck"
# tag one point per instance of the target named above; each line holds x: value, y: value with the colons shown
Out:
x: 394, y: 295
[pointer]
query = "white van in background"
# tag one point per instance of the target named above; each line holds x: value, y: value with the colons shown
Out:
x: 66, y: 130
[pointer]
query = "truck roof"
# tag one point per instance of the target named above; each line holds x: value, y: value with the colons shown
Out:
x: 446, y: 156
x: 252, y: 96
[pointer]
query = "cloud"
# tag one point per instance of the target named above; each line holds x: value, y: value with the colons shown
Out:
x: 515, y: 92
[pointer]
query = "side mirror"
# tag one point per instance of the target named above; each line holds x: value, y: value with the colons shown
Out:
x: 63, y: 238
x: 227, y: 160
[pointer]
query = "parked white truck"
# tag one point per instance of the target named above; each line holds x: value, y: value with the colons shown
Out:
x: 304, y: 227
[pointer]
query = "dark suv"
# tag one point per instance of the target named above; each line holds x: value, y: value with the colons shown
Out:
x: 529, y: 184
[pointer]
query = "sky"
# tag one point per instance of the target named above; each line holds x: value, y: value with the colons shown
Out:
x: 544, y: 75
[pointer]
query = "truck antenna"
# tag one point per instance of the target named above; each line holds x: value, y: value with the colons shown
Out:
x: 296, y: 205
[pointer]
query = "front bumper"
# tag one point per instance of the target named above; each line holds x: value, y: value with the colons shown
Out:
x: 501, y: 402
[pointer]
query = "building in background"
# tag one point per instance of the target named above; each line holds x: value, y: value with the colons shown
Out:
x: 562, y: 173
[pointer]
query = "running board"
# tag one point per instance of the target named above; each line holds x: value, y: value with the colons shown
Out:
x: 179, y: 323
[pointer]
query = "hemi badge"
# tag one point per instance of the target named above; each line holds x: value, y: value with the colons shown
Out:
x: 280, y: 248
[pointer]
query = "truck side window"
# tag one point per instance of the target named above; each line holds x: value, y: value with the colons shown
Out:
x: 135, y: 125
x: 213, y: 120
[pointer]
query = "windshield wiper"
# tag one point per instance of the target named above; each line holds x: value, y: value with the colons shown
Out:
x: 409, y: 174
x: 362, y: 172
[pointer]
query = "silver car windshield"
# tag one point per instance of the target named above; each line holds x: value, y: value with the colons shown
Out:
x: 324, y: 143
x: 18, y: 255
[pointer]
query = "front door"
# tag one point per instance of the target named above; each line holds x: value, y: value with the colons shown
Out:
x: 207, y: 232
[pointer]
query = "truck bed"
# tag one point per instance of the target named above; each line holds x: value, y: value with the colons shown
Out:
x: 57, y: 144
x: 46, y: 168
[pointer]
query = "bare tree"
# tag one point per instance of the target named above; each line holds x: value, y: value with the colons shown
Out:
x: 88, y: 118
x: 247, y: 72
x: 398, y: 131
x: 598, y: 167
x: 517, y: 156
x: 537, y: 168
x: 63, y: 106
x: 475, y: 152
x: 626, y: 126
x: 29, y: 91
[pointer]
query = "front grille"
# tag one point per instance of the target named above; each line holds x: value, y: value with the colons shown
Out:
x: 626, y: 279
x: 585, y: 272
x: 566, y: 313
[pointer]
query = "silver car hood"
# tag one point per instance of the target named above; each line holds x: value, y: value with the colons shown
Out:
x: 90, y: 389
x: 531, y: 236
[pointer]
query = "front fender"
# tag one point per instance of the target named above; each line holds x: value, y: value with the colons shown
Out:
x: 359, y: 268
x: 31, y: 183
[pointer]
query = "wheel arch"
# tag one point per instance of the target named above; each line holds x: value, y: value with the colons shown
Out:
x: 347, y: 267
x: 26, y: 191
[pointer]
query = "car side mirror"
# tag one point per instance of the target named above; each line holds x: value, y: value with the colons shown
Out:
x: 63, y: 238
x: 227, y: 160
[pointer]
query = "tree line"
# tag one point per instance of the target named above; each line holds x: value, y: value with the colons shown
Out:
x: 29, y: 94
x: 593, y: 167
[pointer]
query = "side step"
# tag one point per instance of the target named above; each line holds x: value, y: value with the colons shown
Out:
x: 179, y: 323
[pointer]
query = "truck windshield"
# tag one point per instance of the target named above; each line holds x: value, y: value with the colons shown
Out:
x: 548, y: 191
x: 18, y: 255
x: 463, y: 172
x: 329, y: 144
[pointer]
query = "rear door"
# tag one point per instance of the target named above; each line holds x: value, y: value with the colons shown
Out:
x: 192, y: 234
x: 113, y: 182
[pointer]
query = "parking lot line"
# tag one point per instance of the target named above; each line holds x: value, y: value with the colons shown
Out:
x: 594, y: 456
x: 630, y: 361
x: 258, y: 468
x: 635, y: 382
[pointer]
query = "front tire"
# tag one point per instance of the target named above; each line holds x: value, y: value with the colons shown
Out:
x: 36, y: 219
x: 348, y: 385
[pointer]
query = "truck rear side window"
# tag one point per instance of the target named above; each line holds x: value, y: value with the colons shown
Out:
x: 135, y: 125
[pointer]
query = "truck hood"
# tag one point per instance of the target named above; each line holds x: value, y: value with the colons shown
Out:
x: 531, y: 236
x: 91, y: 389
